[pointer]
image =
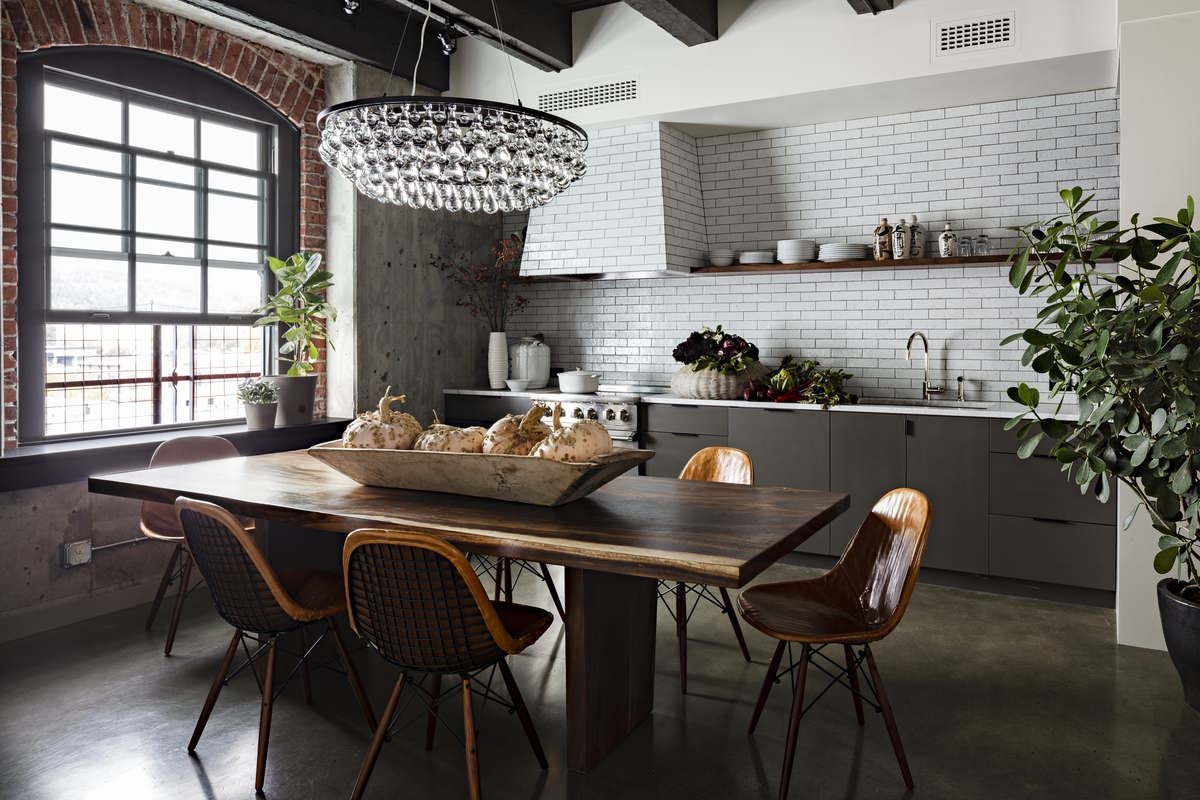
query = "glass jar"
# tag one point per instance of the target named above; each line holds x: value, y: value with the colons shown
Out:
x: 530, y: 359
x: 983, y: 245
x: 966, y: 246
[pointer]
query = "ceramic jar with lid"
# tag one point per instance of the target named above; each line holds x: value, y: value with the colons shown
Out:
x: 948, y: 242
x: 530, y: 359
x: 916, y: 239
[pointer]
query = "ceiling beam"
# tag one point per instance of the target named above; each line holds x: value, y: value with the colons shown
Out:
x: 536, y: 31
x: 369, y: 36
x: 690, y: 21
x: 872, y: 6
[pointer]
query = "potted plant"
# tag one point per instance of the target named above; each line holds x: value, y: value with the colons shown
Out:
x: 299, y: 306
x: 261, y: 398
x: 718, y: 365
x: 1125, y: 345
x: 488, y: 295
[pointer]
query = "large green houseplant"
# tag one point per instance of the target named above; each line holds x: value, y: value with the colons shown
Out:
x: 1124, y: 344
x: 300, y: 308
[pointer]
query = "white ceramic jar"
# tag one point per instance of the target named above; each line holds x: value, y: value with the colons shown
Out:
x: 531, y: 361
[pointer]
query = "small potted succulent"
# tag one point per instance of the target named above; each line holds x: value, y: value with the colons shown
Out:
x: 718, y: 365
x: 261, y: 397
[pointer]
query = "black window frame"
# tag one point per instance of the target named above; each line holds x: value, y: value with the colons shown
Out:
x: 144, y: 76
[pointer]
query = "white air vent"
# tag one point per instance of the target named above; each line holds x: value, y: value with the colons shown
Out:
x: 585, y: 96
x: 971, y: 35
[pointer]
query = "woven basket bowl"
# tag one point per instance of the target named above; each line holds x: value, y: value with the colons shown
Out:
x: 708, y: 384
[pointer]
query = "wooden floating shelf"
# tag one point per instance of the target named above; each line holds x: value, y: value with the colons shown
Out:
x: 832, y: 266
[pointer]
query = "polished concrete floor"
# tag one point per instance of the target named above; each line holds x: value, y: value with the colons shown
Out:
x: 997, y: 697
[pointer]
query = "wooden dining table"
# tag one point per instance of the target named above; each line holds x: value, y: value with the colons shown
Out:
x: 614, y: 544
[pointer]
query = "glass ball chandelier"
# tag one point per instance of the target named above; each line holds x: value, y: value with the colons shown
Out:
x: 453, y: 154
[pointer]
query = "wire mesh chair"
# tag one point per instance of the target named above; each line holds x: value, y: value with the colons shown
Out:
x: 416, y: 600
x: 261, y: 605
x: 158, y: 522
x: 720, y: 465
x: 859, y: 601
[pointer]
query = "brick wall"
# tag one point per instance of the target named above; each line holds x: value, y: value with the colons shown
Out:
x: 291, y: 85
x: 982, y: 167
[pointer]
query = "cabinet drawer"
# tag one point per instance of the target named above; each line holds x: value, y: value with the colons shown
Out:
x: 709, y: 420
x: 1002, y: 441
x: 1036, y: 487
x: 468, y: 409
x: 1069, y: 553
x: 672, y: 451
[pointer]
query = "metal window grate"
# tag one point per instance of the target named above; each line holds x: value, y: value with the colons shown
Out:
x: 584, y: 96
x: 974, y: 34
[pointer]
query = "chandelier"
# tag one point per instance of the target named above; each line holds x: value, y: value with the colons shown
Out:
x: 453, y: 154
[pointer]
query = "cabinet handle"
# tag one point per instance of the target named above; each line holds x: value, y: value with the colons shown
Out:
x: 910, y: 427
x: 677, y: 433
x: 1052, y: 521
x: 680, y: 405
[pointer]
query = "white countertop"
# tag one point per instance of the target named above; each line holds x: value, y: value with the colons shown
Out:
x: 937, y: 408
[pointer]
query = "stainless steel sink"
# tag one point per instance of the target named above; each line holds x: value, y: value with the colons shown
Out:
x: 901, y: 401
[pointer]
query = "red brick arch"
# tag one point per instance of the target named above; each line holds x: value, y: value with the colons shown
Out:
x: 293, y: 86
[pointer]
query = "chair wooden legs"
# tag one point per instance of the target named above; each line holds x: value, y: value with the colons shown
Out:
x: 733, y: 623
x: 356, y: 685
x: 514, y: 694
x: 681, y: 632
x: 364, y: 772
x: 855, y: 689
x: 185, y: 581
x: 562, y: 614
x: 789, y: 753
x: 889, y: 719
x: 168, y: 573
x: 768, y: 682
x: 264, y: 717
x: 435, y: 692
x: 214, y: 691
x: 471, y: 741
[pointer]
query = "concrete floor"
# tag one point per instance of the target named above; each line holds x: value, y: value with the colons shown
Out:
x: 997, y: 697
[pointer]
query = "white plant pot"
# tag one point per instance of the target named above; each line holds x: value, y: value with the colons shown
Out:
x: 497, y: 359
x: 260, y: 416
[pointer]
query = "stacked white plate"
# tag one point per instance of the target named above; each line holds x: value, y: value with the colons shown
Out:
x: 796, y: 251
x: 721, y: 258
x: 844, y: 252
x: 757, y: 257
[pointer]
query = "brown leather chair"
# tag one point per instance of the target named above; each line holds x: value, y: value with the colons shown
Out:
x: 859, y: 601
x: 719, y: 465
x: 159, y: 522
x: 416, y: 600
x: 261, y: 605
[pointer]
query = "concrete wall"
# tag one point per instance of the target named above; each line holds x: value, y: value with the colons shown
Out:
x: 1161, y: 168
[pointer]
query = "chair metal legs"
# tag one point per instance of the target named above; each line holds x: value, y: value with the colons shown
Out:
x: 364, y: 772
x: 471, y: 741
x: 215, y: 690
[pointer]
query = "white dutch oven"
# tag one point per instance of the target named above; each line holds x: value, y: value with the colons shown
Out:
x: 578, y: 381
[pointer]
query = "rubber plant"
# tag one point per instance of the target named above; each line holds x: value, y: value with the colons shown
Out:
x: 300, y: 307
x: 1124, y: 343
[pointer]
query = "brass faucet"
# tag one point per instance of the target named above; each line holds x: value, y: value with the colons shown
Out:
x: 926, y: 389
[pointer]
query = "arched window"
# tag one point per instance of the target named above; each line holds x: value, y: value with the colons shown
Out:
x: 149, y: 193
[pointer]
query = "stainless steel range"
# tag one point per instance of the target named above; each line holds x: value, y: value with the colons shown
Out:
x: 618, y: 413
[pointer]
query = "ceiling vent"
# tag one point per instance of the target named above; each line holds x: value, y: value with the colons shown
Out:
x: 586, y: 96
x: 971, y: 35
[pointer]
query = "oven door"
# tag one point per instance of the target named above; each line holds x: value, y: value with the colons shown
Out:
x: 624, y: 440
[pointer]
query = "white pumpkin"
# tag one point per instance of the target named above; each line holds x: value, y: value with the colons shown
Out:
x: 583, y: 441
x: 517, y: 436
x: 383, y: 428
x: 442, y: 438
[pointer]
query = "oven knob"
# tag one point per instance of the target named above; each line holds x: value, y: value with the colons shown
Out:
x: 577, y: 413
x: 591, y: 413
x: 624, y: 415
x: 609, y: 414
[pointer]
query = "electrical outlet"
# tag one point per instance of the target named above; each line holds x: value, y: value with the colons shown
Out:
x: 75, y: 554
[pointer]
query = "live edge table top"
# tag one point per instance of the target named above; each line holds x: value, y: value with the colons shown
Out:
x: 717, y: 534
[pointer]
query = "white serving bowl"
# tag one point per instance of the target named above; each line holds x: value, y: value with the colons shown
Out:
x: 517, y: 384
x: 578, y: 381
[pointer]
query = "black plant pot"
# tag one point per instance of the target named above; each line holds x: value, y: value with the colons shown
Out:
x: 1181, y: 628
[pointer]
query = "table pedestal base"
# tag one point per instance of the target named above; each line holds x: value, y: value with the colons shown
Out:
x: 610, y: 661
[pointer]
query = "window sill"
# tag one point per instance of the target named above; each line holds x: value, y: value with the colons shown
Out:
x: 52, y: 463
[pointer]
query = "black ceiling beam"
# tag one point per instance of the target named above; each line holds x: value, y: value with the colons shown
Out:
x: 536, y: 31
x: 369, y: 36
x: 872, y: 6
x: 690, y: 21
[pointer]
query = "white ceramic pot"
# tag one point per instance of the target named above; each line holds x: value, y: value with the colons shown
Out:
x: 497, y: 359
x: 578, y: 381
x: 260, y: 416
x: 530, y: 360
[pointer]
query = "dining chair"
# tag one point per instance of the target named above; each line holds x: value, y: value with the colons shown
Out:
x: 159, y: 522
x: 857, y: 602
x: 719, y: 465
x: 505, y: 572
x: 416, y: 600
x: 261, y: 605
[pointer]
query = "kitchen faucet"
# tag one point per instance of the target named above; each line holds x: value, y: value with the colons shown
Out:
x: 926, y: 389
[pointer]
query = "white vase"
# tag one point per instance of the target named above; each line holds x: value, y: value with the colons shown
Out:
x: 497, y: 359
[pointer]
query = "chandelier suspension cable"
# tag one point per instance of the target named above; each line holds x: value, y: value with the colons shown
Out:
x: 512, y: 78
x: 421, y: 47
x: 387, y: 86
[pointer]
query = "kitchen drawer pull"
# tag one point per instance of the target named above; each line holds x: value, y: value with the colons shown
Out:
x: 1052, y: 521
x: 689, y: 435
x: 777, y: 410
x: 683, y: 405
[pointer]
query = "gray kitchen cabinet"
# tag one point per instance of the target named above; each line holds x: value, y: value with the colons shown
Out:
x: 789, y: 448
x: 947, y: 459
x: 672, y: 450
x: 1053, y: 551
x: 683, y: 418
x: 474, y: 409
x: 1036, y: 487
x: 866, y: 460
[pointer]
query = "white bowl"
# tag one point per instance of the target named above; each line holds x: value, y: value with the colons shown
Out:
x: 578, y: 381
x: 721, y: 261
x: 517, y: 384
